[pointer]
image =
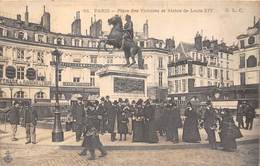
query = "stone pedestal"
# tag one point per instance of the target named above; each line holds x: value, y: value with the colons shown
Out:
x: 122, y: 82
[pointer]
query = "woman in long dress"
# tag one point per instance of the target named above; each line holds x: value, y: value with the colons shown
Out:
x: 138, y: 122
x: 229, y: 132
x: 190, y: 127
x: 150, y: 133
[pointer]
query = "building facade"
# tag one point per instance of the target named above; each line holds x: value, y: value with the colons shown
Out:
x: 247, y: 57
x: 27, y: 66
x: 202, y: 64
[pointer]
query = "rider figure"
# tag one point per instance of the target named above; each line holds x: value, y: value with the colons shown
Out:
x: 128, y: 32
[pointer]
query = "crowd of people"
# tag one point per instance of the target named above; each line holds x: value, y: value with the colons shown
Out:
x: 141, y: 120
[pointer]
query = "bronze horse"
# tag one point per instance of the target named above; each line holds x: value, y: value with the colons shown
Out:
x: 115, y: 39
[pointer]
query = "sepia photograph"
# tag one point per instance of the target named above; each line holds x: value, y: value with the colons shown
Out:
x: 129, y: 83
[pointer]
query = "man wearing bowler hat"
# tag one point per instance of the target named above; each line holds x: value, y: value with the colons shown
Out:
x: 30, y: 120
x: 80, y: 117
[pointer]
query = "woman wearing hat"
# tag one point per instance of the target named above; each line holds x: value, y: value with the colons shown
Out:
x: 190, y: 127
x: 150, y: 134
x: 122, y: 123
x: 138, y: 122
x: 229, y: 132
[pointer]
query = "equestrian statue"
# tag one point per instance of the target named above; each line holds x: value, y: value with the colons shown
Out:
x: 122, y: 38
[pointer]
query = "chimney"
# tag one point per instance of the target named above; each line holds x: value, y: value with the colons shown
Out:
x: 146, y: 29
x: 19, y: 17
x: 26, y: 16
x: 198, y: 41
x: 76, y: 25
x: 94, y: 18
x: 91, y: 20
x: 254, y: 21
x: 77, y: 15
x: 46, y: 20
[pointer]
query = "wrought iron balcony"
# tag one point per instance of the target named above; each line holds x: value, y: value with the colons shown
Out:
x: 76, y: 84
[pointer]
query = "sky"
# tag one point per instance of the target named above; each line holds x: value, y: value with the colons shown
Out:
x: 223, y: 20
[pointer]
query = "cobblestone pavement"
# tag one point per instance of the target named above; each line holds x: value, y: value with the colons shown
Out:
x: 246, y: 155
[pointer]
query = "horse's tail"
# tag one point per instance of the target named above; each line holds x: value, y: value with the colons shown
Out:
x: 140, y: 59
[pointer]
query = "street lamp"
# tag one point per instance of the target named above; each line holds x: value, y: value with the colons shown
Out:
x: 57, y: 133
x: 11, y: 91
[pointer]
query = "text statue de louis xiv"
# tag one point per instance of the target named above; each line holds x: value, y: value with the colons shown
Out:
x: 122, y: 37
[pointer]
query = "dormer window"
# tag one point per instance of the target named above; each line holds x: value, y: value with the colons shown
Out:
x: 40, y: 38
x: 251, y: 40
x: 242, y: 44
x: 59, y: 41
x: 77, y: 42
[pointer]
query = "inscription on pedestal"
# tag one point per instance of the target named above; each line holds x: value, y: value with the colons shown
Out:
x: 128, y: 85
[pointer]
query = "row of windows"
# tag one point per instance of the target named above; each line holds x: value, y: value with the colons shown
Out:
x: 20, y: 55
x: 19, y: 72
x: 46, y: 39
x: 21, y: 94
x: 77, y: 79
x: 179, y: 85
x: 180, y: 69
x: 217, y: 74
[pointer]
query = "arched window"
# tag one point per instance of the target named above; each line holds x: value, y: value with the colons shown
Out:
x: 251, y: 61
x: 40, y: 95
x: 19, y: 94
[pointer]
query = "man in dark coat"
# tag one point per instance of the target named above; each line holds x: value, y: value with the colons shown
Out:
x: 112, y: 119
x: 210, y: 119
x: 102, y: 114
x: 250, y: 115
x: 240, y: 115
x: 91, y: 137
x: 79, y: 117
x: 173, y: 122
x: 150, y: 134
x: 30, y: 120
x: 14, y: 118
x: 162, y: 118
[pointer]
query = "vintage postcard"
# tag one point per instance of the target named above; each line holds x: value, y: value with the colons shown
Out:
x: 129, y: 83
